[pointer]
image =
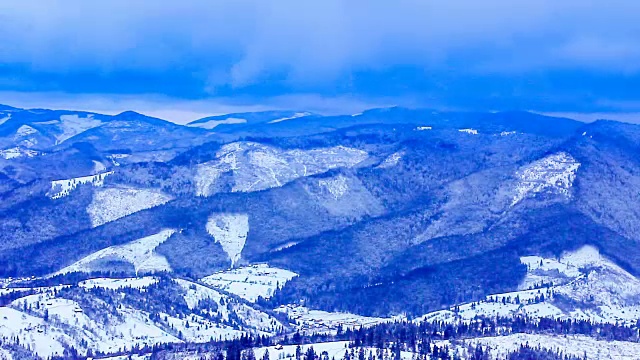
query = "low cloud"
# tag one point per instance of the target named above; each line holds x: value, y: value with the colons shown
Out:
x: 199, y: 48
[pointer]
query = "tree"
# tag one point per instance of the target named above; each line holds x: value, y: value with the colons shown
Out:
x: 310, y: 354
x: 250, y: 354
x: 266, y: 355
x: 298, y: 352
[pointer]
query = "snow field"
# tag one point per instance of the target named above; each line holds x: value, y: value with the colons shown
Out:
x: 113, y: 203
x: 62, y: 188
x: 250, y: 282
x: 230, y: 231
x: 257, y: 167
x: 555, y: 172
x: 140, y: 253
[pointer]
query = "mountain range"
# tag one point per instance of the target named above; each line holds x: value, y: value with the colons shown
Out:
x: 391, y: 212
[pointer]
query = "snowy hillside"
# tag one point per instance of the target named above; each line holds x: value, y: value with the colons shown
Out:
x: 276, y: 222
x: 17, y: 152
x: 212, y: 124
x: 115, y: 284
x: 72, y: 125
x: 392, y: 160
x: 230, y: 231
x: 139, y: 253
x: 580, y: 285
x: 322, y: 321
x: 53, y: 320
x: 576, y: 345
x: 255, y: 167
x: 342, y: 195
x: 554, y: 173
x: 62, y: 188
x: 113, y: 203
x: 250, y: 282
x: 294, y: 116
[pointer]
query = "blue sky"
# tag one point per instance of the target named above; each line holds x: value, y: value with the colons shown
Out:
x: 199, y: 57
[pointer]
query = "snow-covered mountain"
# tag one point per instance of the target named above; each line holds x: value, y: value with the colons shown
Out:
x: 290, y: 221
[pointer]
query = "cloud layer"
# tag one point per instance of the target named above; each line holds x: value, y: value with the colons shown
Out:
x: 461, y: 53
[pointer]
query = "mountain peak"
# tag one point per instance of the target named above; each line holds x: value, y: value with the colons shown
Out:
x: 8, y: 108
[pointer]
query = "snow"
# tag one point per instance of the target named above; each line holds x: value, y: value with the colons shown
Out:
x: 592, y: 288
x: 195, y: 328
x: 49, y: 122
x: 541, y: 269
x: 392, y: 160
x: 25, y: 130
x: 294, y: 116
x: 115, y: 157
x: 422, y: 128
x: 230, y: 231
x: 337, y: 186
x: 197, y: 292
x: 227, y: 306
x: 17, y: 152
x: 69, y: 324
x: 255, y: 166
x: 334, y: 350
x: 603, y: 283
x: 250, y: 282
x: 554, y: 173
x: 469, y: 131
x: 94, y: 324
x: 72, y: 125
x: 32, y: 331
x: 575, y: 345
x: 211, y: 124
x: 115, y: 284
x: 6, y: 118
x: 140, y: 253
x: 62, y: 188
x: 113, y: 203
x: 5, y: 354
x: 36, y: 290
x: 98, y: 167
x: 318, y: 320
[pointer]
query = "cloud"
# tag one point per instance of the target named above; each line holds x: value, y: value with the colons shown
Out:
x: 201, y: 48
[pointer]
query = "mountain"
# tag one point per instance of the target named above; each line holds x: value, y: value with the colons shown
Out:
x: 287, y: 220
x: 230, y: 122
